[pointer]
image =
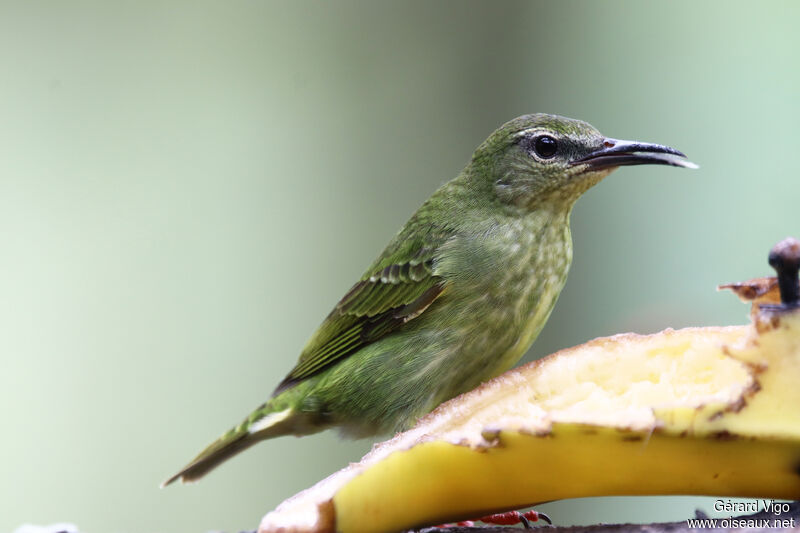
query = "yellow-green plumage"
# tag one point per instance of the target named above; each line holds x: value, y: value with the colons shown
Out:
x: 456, y: 297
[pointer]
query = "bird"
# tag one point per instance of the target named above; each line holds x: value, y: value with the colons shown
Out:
x: 456, y: 297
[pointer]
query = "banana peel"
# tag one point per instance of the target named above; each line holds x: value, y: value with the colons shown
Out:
x: 698, y: 411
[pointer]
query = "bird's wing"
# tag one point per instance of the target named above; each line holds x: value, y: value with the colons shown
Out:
x: 399, y: 287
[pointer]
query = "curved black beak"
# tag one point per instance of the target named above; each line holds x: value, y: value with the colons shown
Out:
x: 617, y: 153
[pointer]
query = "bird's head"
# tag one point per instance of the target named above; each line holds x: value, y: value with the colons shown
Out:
x: 539, y: 157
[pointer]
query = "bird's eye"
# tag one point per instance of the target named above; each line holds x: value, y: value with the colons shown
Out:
x: 545, y: 146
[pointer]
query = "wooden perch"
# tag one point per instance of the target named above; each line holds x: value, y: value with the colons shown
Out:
x: 752, y: 523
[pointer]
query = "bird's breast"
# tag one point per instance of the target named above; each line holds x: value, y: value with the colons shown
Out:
x: 504, y: 283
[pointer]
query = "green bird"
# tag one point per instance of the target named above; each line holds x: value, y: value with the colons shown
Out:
x: 457, y: 296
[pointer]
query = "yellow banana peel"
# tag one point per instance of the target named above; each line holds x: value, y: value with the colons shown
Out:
x: 698, y: 411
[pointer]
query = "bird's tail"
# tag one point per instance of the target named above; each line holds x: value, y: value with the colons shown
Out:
x: 266, y: 422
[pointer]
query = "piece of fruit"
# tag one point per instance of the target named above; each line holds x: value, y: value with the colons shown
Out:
x: 699, y: 411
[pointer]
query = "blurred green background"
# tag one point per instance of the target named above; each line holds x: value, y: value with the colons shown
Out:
x: 186, y: 188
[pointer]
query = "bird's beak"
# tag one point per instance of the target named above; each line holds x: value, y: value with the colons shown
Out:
x: 616, y: 153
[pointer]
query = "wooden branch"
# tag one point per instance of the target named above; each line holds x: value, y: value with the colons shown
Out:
x: 753, y: 523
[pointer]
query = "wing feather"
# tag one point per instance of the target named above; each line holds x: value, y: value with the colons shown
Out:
x: 399, y: 287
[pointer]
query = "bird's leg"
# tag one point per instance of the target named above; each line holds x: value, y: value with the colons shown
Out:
x: 515, y: 517
x: 463, y: 523
x: 509, y: 518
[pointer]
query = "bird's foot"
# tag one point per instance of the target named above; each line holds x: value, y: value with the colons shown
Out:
x: 509, y: 518
x: 515, y: 517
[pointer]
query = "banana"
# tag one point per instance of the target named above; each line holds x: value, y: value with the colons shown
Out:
x: 697, y: 411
